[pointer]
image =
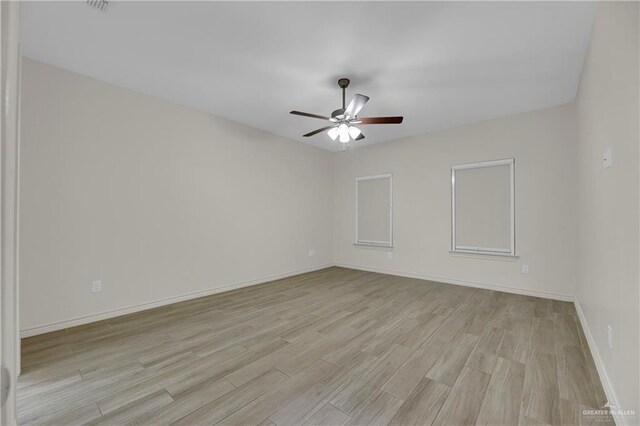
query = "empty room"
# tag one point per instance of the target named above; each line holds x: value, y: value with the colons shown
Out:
x: 320, y: 213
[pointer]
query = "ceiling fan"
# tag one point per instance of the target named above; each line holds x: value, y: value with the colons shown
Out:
x: 343, y: 120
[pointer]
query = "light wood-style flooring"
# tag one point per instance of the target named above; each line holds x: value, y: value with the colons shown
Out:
x: 331, y: 347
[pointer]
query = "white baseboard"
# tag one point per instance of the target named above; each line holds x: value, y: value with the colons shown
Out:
x: 72, y: 322
x: 476, y: 284
x: 602, y: 372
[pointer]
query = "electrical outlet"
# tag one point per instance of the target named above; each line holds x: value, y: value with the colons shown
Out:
x: 96, y: 286
x: 312, y: 253
x: 607, y: 158
x: 525, y: 269
x: 610, y: 336
x: 390, y: 255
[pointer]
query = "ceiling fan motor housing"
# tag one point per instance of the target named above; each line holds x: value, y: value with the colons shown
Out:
x: 339, y: 113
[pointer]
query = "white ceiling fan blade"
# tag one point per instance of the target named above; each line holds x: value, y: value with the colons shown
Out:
x: 356, y: 105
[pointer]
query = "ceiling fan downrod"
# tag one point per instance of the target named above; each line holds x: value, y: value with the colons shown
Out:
x: 344, y: 83
x: 339, y: 113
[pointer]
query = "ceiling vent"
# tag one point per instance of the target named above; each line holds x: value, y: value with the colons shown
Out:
x: 101, y: 5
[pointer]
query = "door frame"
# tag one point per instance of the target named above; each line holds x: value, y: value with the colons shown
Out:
x: 9, y: 162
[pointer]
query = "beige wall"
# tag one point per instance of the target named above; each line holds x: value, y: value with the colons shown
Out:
x: 154, y: 199
x: 608, y: 255
x: 543, y: 144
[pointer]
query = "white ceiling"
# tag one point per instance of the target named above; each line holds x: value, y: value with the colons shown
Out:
x: 439, y: 64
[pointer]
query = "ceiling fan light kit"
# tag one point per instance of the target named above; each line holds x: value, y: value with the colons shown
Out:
x: 354, y: 132
x: 333, y: 133
x: 343, y: 120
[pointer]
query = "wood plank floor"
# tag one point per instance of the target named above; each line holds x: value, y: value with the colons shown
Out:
x: 331, y: 347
